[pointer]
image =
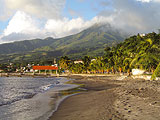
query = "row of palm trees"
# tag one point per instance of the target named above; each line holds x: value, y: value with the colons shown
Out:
x: 141, y: 52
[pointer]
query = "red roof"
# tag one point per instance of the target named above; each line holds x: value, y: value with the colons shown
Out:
x: 45, y: 68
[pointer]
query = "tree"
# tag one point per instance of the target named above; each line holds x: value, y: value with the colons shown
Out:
x: 76, y: 68
x: 64, y: 63
x: 99, y: 64
x: 156, y: 72
x: 86, y: 62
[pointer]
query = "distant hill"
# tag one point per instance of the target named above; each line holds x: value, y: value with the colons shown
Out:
x: 91, y: 41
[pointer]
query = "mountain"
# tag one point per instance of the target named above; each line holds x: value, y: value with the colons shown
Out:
x: 91, y: 41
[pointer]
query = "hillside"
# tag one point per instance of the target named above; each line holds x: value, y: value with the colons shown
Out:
x: 91, y: 41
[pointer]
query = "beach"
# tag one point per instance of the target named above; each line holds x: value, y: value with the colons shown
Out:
x: 111, y: 98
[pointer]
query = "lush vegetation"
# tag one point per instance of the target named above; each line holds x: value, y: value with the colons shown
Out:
x: 90, y: 42
x: 142, y: 52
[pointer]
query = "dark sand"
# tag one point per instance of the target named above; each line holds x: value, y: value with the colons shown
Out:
x: 109, y: 99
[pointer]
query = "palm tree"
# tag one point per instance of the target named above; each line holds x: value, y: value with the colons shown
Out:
x: 99, y: 64
x: 126, y: 64
x: 146, y: 57
x: 64, y: 63
x: 76, y: 68
x: 156, y: 72
x: 92, y: 67
x: 86, y: 62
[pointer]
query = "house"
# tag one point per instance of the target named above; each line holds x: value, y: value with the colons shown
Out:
x: 93, y: 60
x: 142, y: 35
x: 78, y: 61
x: 56, y: 65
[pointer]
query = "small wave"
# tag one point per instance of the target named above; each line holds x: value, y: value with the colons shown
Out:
x: 8, y: 102
x: 28, y: 96
x: 46, y: 87
x: 17, y: 99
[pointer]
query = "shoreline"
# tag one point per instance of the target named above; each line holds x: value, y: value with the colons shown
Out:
x: 57, y: 96
x: 108, y: 98
x: 119, y: 76
x: 79, y: 102
x: 41, y: 104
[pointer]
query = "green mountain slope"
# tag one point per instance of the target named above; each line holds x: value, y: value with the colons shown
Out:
x: 91, y: 41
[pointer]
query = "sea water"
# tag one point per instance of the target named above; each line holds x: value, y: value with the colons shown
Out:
x: 27, y: 98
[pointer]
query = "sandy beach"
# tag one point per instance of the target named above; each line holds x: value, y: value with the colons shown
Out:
x: 106, y: 98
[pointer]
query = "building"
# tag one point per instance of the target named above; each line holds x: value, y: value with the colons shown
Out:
x: 45, y: 68
x: 78, y: 61
x: 39, y: 68
x: 142, y: 35
x: 93, y: 60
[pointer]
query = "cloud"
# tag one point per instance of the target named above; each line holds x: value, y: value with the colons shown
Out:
x: 22, y: 26
x: 4, y: 13
x: 144, y: 0
x: 149, y: 0
x: 40, y: 8
x: 134, y: 16
x: 65, y: 27
x: 21, y: 23
x: 27, y: 17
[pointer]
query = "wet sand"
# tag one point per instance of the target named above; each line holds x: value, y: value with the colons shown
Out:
x: 109, y: 99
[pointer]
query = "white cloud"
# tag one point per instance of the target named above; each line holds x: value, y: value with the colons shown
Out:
x: 131, y: 15
x: 23, y: 26
x: 144, y: 0
x: 21, y: 23
x: 65, y: 26
x: 149, y: 0
x: 39, y: 8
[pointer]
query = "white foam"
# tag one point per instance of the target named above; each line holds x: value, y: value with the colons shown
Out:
x: 46, y: 87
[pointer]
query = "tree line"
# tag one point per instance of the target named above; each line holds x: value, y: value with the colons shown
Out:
x: 142, y: 52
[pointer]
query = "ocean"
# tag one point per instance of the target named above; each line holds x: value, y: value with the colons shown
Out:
x: 28, y: 98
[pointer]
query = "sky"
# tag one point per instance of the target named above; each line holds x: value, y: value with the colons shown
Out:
x: 30, y: 19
